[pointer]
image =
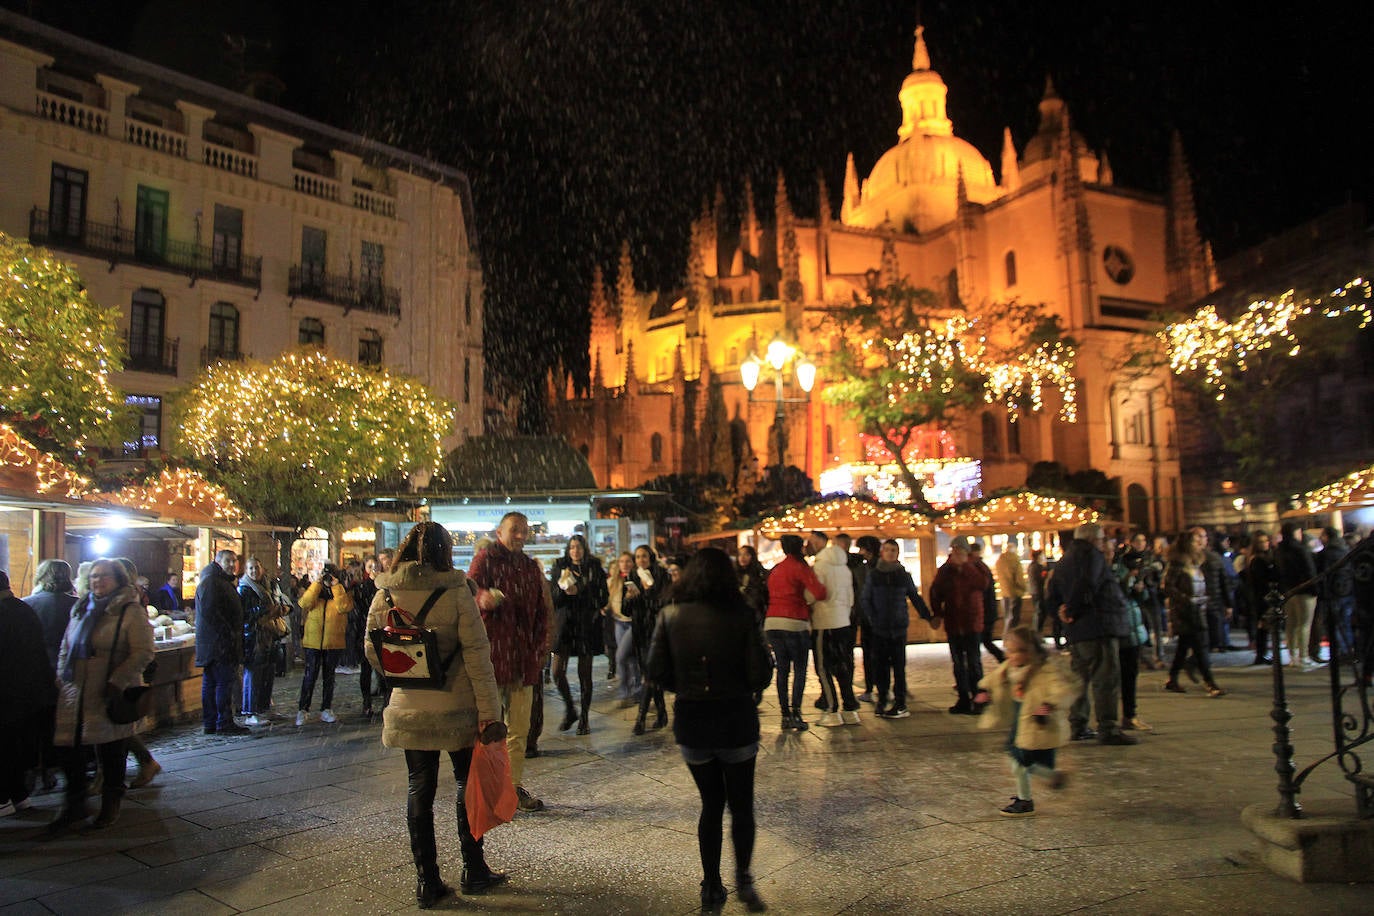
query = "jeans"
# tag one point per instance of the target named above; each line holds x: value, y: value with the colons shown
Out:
x: 1097, y: 662
x: 315, y: 659
x: 217, y: 695
x: 967, y: 663
x: 258, y: 677
x: 626, y: 661
x: 790, y: 648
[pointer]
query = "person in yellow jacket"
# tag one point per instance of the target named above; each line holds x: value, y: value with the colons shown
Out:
x: 326, y: 604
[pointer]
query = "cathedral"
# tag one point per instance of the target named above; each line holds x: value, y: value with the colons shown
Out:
x: 1051, y: 226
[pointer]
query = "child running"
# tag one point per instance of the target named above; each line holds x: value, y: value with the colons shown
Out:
x: 1030, y: 693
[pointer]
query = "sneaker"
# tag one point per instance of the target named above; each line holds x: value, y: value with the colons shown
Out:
x: 799, y: 724
x: 866, y: 696
x: 254, y: 720
x: 1215, y: 691
x: 527, y: 802
x: 327, y: 716
x: 1019, y: 807
x: 1141, y: 725
x: 897, y: 712
x: 300, y: 718
x: 830, y: 719
x: 849, y: 716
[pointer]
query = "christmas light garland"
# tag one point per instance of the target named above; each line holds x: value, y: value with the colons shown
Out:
x: 52, y: 476
x: 1213, y: 346
x: 1341, y: 492
x: 1011, y: 507
x: 851, y: 512
x: 180, y: 487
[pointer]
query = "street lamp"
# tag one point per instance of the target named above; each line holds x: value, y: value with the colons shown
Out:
x: 777, y: 356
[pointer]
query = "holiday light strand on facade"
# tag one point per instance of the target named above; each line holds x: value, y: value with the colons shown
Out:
x: 1357, y: 486
x: 1211, y: 345
x: 180, y: 487
x: 310, y: 415
x: 1023, y: 504
x: 929, y: 358
x: 53, y: 477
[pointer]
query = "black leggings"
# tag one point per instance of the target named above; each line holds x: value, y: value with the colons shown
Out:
x: 423, y: 769
x: 584, y: 681
x: 721, y: 784
x: 1197, y: 644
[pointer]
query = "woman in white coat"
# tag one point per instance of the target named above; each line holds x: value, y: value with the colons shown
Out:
x: 107, y: 646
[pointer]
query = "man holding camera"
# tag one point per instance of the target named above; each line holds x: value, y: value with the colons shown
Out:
x: 326, y: 605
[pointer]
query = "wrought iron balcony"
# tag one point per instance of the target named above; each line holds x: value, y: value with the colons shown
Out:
x: 210, y: 355
x: 368, y: 294
x: 152, y: 354
x: 119, y: 243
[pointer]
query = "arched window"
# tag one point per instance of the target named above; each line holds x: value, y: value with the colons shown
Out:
x: 224, y: 332
x: 952, y: 289
x: 656, y: 448
x: 311, y: 332
x: 1013, y: 436
x: 618, y: 455
x: 992, y: 439
x: 370, y: 347
x: 1011, y: 268
x: 1138, y: 507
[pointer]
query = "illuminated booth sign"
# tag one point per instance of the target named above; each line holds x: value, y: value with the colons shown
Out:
x: 946, y: 481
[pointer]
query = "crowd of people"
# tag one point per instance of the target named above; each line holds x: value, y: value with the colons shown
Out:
x: 712, y: 630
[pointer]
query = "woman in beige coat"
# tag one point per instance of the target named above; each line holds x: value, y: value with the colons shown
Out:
x: 425, y: 722
x: 107, y: 646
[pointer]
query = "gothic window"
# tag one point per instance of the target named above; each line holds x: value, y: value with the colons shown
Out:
x: 656, y: 448
x: 1011, y: 268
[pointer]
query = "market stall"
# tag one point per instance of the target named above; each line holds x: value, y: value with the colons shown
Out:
x: 1348, y: 502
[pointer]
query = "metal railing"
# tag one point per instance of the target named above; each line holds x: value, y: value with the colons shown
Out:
x: 119, y: 243
x: 1352, y: 655
x: 157, y: 355
x: 210, y: 355
x: 367, y: 294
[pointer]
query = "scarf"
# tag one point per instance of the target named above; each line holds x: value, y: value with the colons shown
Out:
x: 81, y: 647
x: 258, y: 587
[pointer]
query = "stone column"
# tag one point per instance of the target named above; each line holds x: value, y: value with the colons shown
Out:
x: 117, y: 94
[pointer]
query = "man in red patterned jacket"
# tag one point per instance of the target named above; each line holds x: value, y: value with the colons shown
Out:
x: 514, y: 606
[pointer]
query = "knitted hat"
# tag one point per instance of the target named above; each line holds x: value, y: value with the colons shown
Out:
x: 959, y: 543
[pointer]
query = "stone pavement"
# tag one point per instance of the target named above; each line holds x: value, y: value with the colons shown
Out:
x: 887, y: 817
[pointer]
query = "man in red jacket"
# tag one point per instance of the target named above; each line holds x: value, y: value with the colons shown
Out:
x: 514, y: 606
x: 957, y: 596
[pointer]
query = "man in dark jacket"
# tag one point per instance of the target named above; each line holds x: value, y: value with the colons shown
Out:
x: 27, y: 696
x: 956, y: 596
x: 1336, y: 594
x: 862, y: 564
x: 219, y: 643
x: 1094, y: 618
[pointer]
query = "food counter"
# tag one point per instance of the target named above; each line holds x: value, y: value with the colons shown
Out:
x: 176, y: 686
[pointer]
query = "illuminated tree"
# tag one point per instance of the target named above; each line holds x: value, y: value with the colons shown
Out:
x: 899, y: 363
x: 57, y: 351
x: 288, y: 439
x: 1239, y: 371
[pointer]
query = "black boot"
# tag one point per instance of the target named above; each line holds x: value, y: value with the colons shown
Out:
x: 712, y: 896
x: 747, y: 893
x: 109, y: 810
x: 582, y: 727
x: 569, y: 714
x: 477, y: 876
x: 429, y: 886
x: 662, y: 718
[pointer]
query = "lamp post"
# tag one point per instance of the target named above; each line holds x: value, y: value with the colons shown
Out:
x: 777, y: 356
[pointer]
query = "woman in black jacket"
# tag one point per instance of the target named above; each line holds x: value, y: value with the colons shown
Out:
x: 1261, y: 576
x: 753, y: 581
x: 642, y: 609
x: 708, y: 650
x: 579, y: 594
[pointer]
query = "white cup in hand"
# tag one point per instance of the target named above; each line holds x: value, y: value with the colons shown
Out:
x: 646, y: 577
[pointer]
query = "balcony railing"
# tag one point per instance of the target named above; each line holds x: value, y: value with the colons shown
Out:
x: 373, y: 202
x: 157, y: 355
x: 367, y: 294
x: 210, y: 355
x: 231, y: 160
x: 76, y: 114
x: 118, y: 243
x: 159, y: 139
x: 316, y: 185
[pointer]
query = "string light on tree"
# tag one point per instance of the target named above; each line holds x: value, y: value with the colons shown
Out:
x: 181, y: 487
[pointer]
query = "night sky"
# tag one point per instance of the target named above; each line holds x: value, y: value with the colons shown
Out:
x: 584, y: 122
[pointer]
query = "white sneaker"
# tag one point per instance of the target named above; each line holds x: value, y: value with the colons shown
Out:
x: 300, y: 718
x: 849, y: 716
x: 327, y: 716
x: 830, y: 720
x: 254, y: 720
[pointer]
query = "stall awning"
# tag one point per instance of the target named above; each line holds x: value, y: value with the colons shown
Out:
x: 855, y: 515
x: 179, y: 497
x: 1023, y: 510
x: 1353, y: 491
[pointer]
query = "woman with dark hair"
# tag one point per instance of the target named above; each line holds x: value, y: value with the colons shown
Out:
x: 708, y: 650
x: 642, y: 609
x: 52, y: 600
x: 792, y: 588
x: 425, y: 722
x: 753, y: 581
x: 579, y: 595
x: 1261, y: 577
x: 107, y: 646
x: 1185, y: 584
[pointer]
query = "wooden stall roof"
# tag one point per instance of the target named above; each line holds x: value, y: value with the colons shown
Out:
x: 856, y: 515
x: 1023, y: 510
x: 24, y: 468
x: 181, y: 496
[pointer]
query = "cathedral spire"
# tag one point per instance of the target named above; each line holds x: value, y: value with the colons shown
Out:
x: 851, y: 190
x: 1185, y: 254
x: 1011, y: 171
x: 920, y: 58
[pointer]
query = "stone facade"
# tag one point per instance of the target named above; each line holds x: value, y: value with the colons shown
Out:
x: 1054, y: 229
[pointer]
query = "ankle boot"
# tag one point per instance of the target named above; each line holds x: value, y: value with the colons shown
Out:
x: 429, y: 886
x: 712, y: 895
x: 747, y: 893
x: 661, y: 719
x: 569, y: 714
x: 639, y: 723
x: 786, y: 718
x: 477, y: 875
x: 109, y: 811
x: 582, y: 727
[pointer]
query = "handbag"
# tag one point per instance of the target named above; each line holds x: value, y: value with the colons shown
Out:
x: 408, y: 650
x: 132, y: 703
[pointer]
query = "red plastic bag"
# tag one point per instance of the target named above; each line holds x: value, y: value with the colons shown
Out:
x: 490, y: 796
